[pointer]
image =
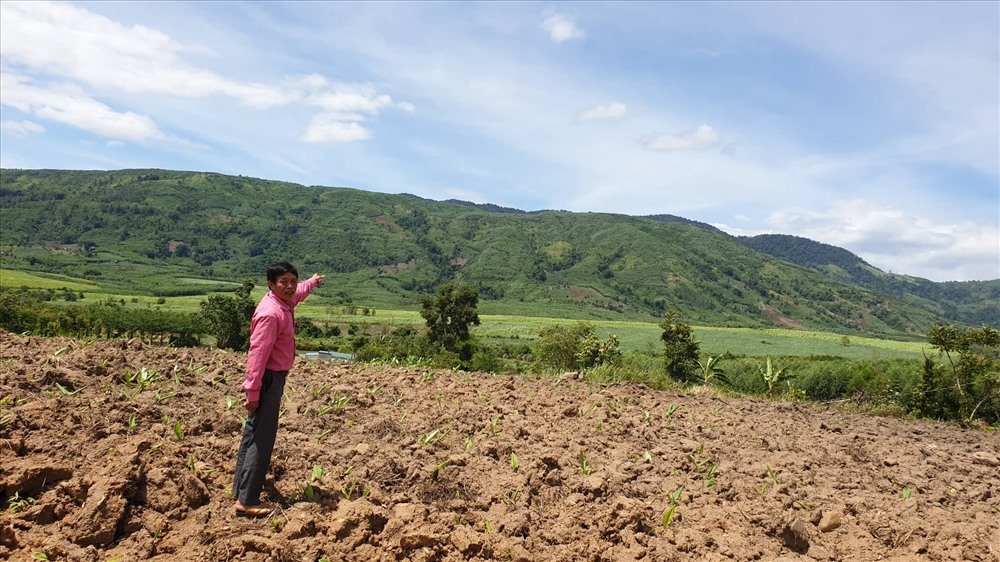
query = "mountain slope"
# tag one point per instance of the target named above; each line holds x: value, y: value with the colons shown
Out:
x: 149, y: 229
x: 968, y: 302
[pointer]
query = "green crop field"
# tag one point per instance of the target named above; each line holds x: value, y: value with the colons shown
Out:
x: 10, y: 279
x: 635, y: 336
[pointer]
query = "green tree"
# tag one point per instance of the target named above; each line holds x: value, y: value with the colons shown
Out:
x: 973, y: 389
x: 593, y: 352
x: 449, y: 317
x: 228, y: 318
x: 576, y: 347
x: 559, y: 345
x: 680, y: 349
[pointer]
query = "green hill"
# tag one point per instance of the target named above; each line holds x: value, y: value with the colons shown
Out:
x: 968, y: 302
x: 146, y: 229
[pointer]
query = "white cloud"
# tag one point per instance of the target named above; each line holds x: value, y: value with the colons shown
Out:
x: 349, y: 100
x: 329, y: 128
x: 615, y: 110
x: 62, y: 40
x: 895, y: 240
x: 701, y: 138
x: 561, y: 28
x: 21, y: 128
x: 69, y: 105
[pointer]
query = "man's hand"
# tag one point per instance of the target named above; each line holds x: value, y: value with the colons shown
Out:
x: 319, y: 278
x: 252, y: 406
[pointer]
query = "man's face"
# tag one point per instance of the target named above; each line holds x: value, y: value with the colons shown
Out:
x: 284, y: 287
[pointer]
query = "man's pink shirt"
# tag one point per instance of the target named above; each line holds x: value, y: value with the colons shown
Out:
x: 272, y: 337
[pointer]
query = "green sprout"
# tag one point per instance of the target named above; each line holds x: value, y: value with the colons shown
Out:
x: 18, y: 504
x: 585, y: 467
x: 773, y: 475
x: 317, y: 473
x: 668, y: 517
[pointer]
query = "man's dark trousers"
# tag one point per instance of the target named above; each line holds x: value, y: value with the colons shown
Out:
x: 254, y: 458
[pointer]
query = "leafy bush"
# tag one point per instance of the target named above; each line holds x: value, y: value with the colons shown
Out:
x: 576, y: 347
x: 680, y: 349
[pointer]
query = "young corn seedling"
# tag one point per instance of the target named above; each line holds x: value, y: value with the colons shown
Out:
x: 668, y: 517
x: 710, y: 476
x: 66, y: 391
x: 671, y: 512
x: 317, y: 474
x: 140, y: 379
x: 309, y: 493
x: 178, y: 430
x: 434, y: 472
x: 511, y: 497
x: 773, y: 475
x: 514, y: 462
x: 585, y: 467
x: 672, y: 409
x: 491, y: 426
x: 132, y: 422
x: 675, y: 496
x: 433, y: 437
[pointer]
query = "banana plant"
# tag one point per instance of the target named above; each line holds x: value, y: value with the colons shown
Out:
x: 710, y: 374
x: 772, y: 378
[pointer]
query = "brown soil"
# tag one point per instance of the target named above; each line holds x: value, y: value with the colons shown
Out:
x: 420, y: 465
x: 778, y: 319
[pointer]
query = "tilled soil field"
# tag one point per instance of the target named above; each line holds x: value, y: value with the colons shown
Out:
x: 116, y: 450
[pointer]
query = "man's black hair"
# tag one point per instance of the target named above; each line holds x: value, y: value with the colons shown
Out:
x: 276, y: 270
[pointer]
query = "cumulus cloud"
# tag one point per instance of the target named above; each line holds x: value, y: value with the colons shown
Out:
x: 329, y: 128
x: 46, y: 40
x: 613, y: 111
x: 701, y: 138
x: 69, y: 105
x: 895, y: 240
x: 21, y: 128
x: 561, y: 28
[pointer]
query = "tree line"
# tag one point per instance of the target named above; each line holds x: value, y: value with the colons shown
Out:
x: 961, y: 381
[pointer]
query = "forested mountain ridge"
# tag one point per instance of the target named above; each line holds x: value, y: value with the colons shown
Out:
x: 970, y: 302
x: 153, y: 230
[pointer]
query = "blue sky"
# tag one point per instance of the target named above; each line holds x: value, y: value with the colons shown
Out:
x: 871, y: 126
